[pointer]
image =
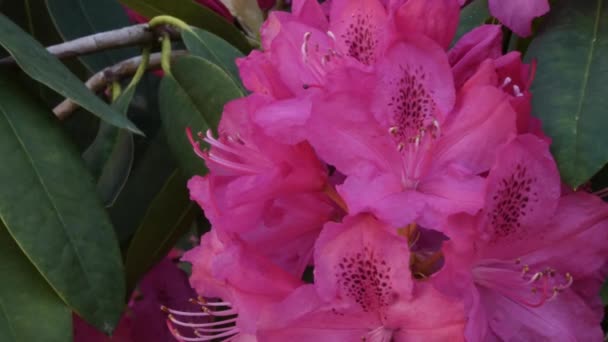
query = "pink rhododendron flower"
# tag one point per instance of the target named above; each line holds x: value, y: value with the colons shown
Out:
x: 376, y: 186
x: 407, y: 142
x: 478, y: 45
x: 509, y: 74
x: 518, y: 14
x: 271, y: 194
x: 235, y: 284
x: 303, y: 46
x: 525, y: 265
x: 363, y: 292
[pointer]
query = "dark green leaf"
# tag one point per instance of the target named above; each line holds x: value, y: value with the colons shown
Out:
x: 473, y: 15
x: 193, y: 97
x: 48, y: 204
x: 151, y: 169
x: 194, y: 14
x: 79, y: 18
x: 213, y: 48
x: 604, y: 293
x: 43, y: 67
x: 29, y: 309
x: 169, y: 216
x: 570, y: 86
x: 110, y: 156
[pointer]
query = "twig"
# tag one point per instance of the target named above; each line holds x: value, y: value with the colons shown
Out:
x: 140, y: 34
x: 127, y: 36
x: 100, y: 80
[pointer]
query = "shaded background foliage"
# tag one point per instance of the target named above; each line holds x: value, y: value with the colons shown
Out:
x: 89, y: 204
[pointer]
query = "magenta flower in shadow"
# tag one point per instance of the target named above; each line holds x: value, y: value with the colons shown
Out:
x: 165, y: 285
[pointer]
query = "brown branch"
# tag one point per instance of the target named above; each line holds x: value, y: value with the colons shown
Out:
x: 100, y: 80
x: 127, y: 36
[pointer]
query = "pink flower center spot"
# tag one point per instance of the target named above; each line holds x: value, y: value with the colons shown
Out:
x: 413, y: 125
x: 361, y: 38
x: 365, y: 278
x: 412, y: 107
x: 511, y: 203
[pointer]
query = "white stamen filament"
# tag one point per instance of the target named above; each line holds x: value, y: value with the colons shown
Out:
x: 331, y: 35
x: 201, y: 325
x: 221, y: 330
x: 222, y: 313
x: 380, y: 334
x: 304, y: 48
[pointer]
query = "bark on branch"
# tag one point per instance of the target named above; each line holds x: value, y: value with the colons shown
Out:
x: 140, y: 34
x: 100, y: 80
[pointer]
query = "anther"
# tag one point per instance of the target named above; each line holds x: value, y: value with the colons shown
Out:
x: 517, y: 91
x: 535, y: 277
x: 393, y: 130
x: 505, y: 82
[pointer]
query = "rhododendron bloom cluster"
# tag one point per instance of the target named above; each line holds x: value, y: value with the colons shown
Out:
x: 378, y: 185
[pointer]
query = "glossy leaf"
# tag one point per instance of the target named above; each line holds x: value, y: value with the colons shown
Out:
x: 79, y: 18
x: 35, y: 61
x: 193, y: 97
x: 152, y: 167
x: 29, y: 308
x: 169, y: 217
x: 110, y: 155
x: 213, y: 48
x: 194, y: 14
x: 248, y: 13
x: 48, y: 204
x: 570, y: 85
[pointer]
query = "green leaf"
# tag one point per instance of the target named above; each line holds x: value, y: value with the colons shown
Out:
x: 473, y: 15
x: 110, y: 155
x: 194, y: 14
x: 570, y: 86
x: 169, y: 216
x: 194, y: 96
x: 79, y: 18
x: 248, y: 13
x: 152, y: 167
x: 48, y: 204
x: 213, y: 48
x: 29, y: 309
x: 35, y: 61
x: 604, y: 293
